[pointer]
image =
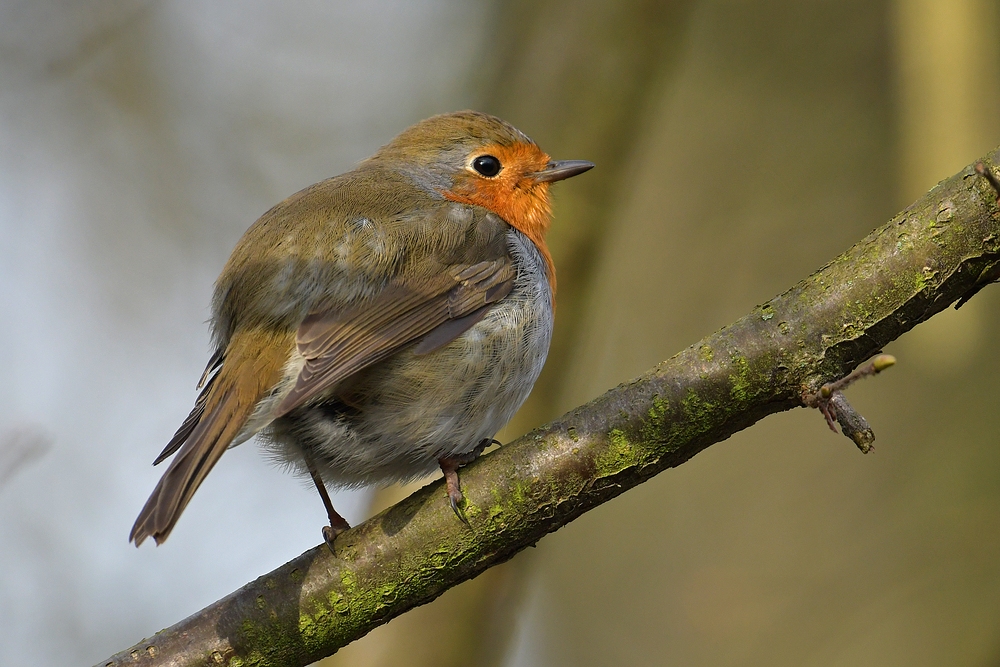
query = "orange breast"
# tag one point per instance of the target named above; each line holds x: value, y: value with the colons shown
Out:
x: 513, y: 194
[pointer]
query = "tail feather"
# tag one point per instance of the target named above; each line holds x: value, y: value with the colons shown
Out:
x: 199, y: 454
x: 183, y: 433
x: 220, y: 414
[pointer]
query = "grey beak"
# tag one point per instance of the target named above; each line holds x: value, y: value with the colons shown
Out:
x: 558, y: 170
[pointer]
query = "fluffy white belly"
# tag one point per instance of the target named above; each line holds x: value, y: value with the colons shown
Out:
x: 409, y: 410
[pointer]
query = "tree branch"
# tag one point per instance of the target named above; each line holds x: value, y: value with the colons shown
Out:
x: 942, y: 249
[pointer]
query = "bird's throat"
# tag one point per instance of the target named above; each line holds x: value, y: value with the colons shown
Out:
x: 525, y: 209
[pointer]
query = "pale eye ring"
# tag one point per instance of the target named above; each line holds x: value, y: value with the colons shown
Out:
x: 487, y: 165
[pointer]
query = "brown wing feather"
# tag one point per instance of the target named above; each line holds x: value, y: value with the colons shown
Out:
x: 336, y: 344
x: 253, y: 366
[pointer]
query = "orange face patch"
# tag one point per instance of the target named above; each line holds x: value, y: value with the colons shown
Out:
x: 513, y: 193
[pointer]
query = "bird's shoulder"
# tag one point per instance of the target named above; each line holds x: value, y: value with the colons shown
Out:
x: 344, y: 239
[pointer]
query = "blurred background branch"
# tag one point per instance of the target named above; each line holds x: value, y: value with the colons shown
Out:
x: 19, y: 447
x: 942, y: 249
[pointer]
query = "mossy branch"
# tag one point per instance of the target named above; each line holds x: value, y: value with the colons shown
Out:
x: 942, y: 249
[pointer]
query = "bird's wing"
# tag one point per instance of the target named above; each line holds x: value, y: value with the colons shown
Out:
x: 430, y: 312
x: 335, y: 343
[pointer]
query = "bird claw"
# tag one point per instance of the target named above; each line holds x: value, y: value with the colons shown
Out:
x: 330, y: 534
x: 455, y: 496
x: 450, y: 465
x: 456, y: 507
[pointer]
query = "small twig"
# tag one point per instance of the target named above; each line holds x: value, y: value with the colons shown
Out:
x: 835, y: 409
x: 852, y: 424
x: 873, y: 367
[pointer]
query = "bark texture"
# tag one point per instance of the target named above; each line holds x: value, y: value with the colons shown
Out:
x: 943, y: 248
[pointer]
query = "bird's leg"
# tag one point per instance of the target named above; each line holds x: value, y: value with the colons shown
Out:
x: 450, y: 465
x: 337, y: 523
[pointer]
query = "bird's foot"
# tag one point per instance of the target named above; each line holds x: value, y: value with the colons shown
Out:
x: 454, y: 488
x: 335, y: 528
x: 450, y: 465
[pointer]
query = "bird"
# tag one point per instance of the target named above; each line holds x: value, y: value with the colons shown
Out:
x: 381, y: 324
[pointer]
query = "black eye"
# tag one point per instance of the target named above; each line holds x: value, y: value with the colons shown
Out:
x: 487, y: 165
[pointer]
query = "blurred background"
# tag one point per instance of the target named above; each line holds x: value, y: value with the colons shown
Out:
x: 740, y: 145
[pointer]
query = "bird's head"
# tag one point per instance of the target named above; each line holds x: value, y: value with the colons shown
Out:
x: 474, y: 158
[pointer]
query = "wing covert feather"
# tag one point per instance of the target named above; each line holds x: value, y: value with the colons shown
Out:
x: 338, y: 343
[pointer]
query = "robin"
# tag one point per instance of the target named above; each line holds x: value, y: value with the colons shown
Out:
x: 382, y: 323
